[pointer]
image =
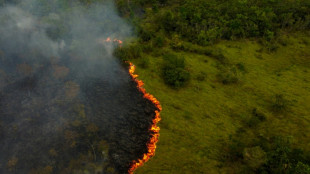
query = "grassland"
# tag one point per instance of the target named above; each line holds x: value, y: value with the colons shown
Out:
x: 200, y: 119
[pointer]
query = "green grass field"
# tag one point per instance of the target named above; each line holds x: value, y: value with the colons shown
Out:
x: 199, y: 119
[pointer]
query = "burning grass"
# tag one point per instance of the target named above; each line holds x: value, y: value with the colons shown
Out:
x: 154, y: 129
x: 151, y: 145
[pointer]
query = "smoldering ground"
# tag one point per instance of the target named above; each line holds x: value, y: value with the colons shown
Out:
x: 66, y: 104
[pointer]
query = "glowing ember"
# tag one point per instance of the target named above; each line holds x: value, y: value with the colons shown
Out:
x: 118, y: 41
x: 108, y: 39
x: 154, y: 128
x: 151, y: 145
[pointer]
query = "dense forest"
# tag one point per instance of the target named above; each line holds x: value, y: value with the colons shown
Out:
x: 205, y: 21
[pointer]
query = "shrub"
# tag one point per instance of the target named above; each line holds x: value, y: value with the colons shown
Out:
x: 176, y: 43
x: 256, y: 113
x: 279, y: 103
x: 218, y: 55
x: 252, y: 122
x: 256, y: 118
x: 202, y: 38
x: 128, y: 52
x: 201, y: 76
x: 228, y: 76
x: 159, y: 41
x: 282, y: 41
x: 269, y: 35
x: 120, y: 53
x: 147, y: 48
x: 174, y: 72
x: 241, y: 67
x: 168, y: 21
x: 282, y: 158
x: 254, y: 157
x: 272, y: 46
x: 305, y: 41
x: 278, y: 157
x: 145, y: 62
x: 234, y: 151
x: 302, y: 168
x: 145, y: 35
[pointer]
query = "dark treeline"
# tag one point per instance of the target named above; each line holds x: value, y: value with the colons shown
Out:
x: 203, y: 22
x: 183, y: 25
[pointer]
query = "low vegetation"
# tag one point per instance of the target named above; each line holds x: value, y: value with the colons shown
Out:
x: 173, y: 71
x: 247, y: 114
x: 245, y: 108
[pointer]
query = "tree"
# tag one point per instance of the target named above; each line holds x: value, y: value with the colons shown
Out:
x: 302, y: 168
x: 254, y: 157
x: 174, y: 72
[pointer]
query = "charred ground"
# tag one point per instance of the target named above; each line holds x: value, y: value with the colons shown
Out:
x: 49, y: 122
x: 66, y: 104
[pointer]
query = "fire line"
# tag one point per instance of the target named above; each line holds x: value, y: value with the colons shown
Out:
x: 151, y: 145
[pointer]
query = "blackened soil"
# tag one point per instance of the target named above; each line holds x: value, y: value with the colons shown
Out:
x: 79, y: 122
x: 126, y: 117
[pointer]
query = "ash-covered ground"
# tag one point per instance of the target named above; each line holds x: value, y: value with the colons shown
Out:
x: 66, y: 104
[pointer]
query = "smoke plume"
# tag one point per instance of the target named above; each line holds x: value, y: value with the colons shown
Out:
x: 67, y: 105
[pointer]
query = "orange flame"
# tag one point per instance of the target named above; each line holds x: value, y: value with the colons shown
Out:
x: 108, y: 39
x: 151, y: 145
x: 118, y: 41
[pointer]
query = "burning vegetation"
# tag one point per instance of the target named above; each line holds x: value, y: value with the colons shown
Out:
x: 154, y: 129
x: 66, y: 104
x: 151, y: 145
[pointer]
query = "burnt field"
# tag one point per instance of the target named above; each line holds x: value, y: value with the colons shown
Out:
x: 67, y: 105
x: 57, y: 117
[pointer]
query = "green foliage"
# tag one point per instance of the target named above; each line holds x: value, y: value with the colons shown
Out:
x: 278, y: 158
x: 216, y: 109
x: 147, y: 47
x: 234, y: 151
x: 168, y: 21
x: 258, y: 114
x: 127, y: 52
x: 302, y: 168
x: 204, y: 22
x: 174, y: 72
x: 218, y: 55
x: 176, y: 43
x: 159, y: 41
x: 215, y: 53
x: 254, y: 157
x: 255, y: 118
x: 282, y: 158
x: 228, y: 75
x: 267, y: 156
x: 241, y: 67
x: 252, y: 122
x: 201, y: 76
x: 144, y: 62
x: 145, y: 35
x: 271, y: 45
